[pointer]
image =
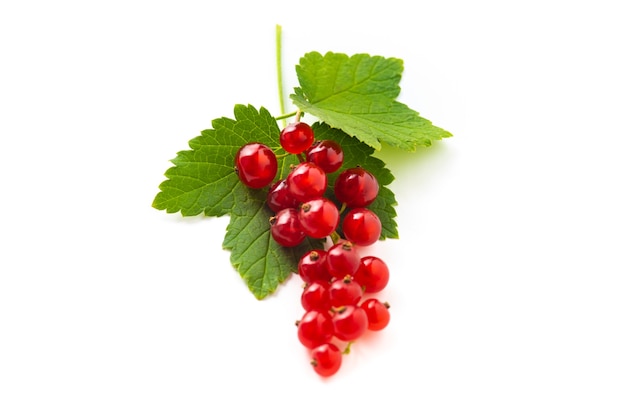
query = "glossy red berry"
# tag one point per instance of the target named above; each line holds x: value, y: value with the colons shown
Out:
x: 297, y: 137
x: 312, y: 267
x: 372, y: 274
x: 350, y: 322
x: 326, y: 359
x: 377, y: 314
x: 315, y: 296
x: 315, y: 328
x: 307, y: 181
x: 279, y: 197
x: 285, y: 228
x: 256, y: 165
x: 318, y: 217
x: 356, y: 187
x: 342, y: 259
x: 362, y: 226
x: 326, y: 154
x: 344, y: 292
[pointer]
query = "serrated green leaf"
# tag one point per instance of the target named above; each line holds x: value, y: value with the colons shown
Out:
x: 202, y: 179
x: 358, y: 95
x: 357, y: 153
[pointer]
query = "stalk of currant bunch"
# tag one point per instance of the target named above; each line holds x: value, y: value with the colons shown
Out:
x: 338, y: 282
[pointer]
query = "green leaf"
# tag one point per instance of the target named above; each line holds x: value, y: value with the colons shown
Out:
x: 358, y: 95
x: 203, y: 179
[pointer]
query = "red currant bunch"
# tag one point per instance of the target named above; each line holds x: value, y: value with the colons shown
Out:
x: 338, y: 311
x: 338, y: 282
x: 299, y: 200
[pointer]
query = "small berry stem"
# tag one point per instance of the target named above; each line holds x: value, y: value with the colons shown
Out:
x: 289, y: 115
x: 298, y: 115
x: 343, y: 207
x: 346, y: 350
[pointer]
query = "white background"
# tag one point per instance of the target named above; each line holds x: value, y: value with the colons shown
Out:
x: 508, y: 281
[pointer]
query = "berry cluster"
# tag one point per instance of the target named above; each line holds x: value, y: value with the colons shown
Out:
x: 337, y: 309
x: 336, y: 278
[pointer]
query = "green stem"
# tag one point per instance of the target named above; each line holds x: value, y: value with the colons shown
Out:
x: 343, y: 207
x: 289, y: 115
x: 279, y: 71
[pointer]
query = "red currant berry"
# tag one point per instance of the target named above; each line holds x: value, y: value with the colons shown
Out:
x: 356, y: 187
x: 372, y: 274
x: 342, y: 259
x: 350, y: 322
x: 377, y: 314
x: 315, y: 328
x: 312, y: 267
x: 285, y: 228
x: 319, y: 217
x: 362, y: 226
x: 296, y: 137
x: 326, y: 359
x: 326, y: 154
x: 279, y: 197
x: 344, y: 292
x: 256, y: 165
x: 315, y: 296
x: 307, y: 181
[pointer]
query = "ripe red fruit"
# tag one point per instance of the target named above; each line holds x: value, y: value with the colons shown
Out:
x: 307, y: 181
x: 315, y: 296
x: 318, y: 217
x: 279, y: 197
x: 377, y: 314
x: 326, y: 359
x: 312, y: 267
x: 344, y: 292
x: 362, y: 226
x: 315, y: 328
x: 356, y: 187
x: 350, y: 322
x: 296, y: 137
x: 372, y: 274
x: 256, y: 165
x: 342, y: 259
x: 285, y: 228
x: 326, y: 154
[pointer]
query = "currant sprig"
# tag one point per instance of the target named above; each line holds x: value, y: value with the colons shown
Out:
x: 335, y: 276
